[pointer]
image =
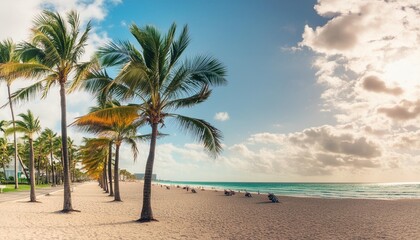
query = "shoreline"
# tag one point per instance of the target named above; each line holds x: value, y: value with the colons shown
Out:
x: 206, y: 215
x: 280, y: 194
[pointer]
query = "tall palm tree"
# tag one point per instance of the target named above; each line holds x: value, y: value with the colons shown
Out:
x: 156, y: 75
x: 52, y: 57
x: 8, y: 54
x: 29, y: 125
x: 117, y: 131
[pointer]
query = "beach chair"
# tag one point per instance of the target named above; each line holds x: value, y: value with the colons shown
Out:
x: 273, y: 198
x: 229, y: 192
x: 247, y: 194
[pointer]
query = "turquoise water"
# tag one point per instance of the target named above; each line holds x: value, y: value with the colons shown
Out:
x: 321, y: 190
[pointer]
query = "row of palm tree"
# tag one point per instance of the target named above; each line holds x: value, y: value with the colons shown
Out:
x: 153, y: 81
x: 38, y: 152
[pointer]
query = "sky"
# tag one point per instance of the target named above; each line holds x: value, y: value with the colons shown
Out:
x: 318, y: 91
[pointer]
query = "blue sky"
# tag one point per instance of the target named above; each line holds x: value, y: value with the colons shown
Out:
x: 321, y: 90
x: 270, y: 88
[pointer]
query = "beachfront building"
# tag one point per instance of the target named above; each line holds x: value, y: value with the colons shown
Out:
x: 140, y: 176
x: 10, y: 170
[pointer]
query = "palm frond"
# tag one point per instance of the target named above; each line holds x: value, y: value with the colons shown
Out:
x: 202, y: 131
x: 82, y: 72
x: 24, y: 70
x: 195, y: 99
x: 133, y: 145
x: 27, y: 93
x: 123, y: 115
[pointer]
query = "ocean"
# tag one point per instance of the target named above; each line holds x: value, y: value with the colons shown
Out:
x: 388, y: 191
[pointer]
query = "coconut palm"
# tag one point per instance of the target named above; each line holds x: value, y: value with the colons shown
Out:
x: 52, y: 57
x: 8, y: 54
x: 29, y: 125
x: 156, y: 75
x: 117, y: 130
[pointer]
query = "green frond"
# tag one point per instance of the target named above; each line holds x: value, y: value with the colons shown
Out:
x: 28, y: 93
x: 114, y: 54
x: 179, y: 46
x: 195, y: 99
x: 133, y: 145
x: 82, y: 72
x: 202, y: 131
x: 24, y: 70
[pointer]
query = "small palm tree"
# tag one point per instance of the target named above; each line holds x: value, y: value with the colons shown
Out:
x: 94, y: 154
x: 156, y: 75
x: 9, y: 55
x: 29, y: 125
x: 5, y: 153
x: 49, y: 137
x: 52, y: 57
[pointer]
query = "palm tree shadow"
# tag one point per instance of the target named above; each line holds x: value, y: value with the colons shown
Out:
x: 28, y: 202
x: 66, y: 212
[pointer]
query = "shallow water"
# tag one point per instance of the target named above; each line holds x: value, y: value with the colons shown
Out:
x: 322, y: 190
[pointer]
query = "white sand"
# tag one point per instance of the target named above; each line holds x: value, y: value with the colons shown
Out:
x: 207, y: 215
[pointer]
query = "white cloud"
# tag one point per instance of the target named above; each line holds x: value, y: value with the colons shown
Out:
x: 15, y: 21
x: 221, y: 116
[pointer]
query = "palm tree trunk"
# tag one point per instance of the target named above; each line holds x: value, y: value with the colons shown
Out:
x: 111, y: 191
x: 39, y: 173
x: 32, y: 170
x: 117, y: 196
x: 146, y: 212
x: 52, y: 174
x: 46, y: 172
x: 14, y: 138
x: 105, y: 179
x: 67, y: 206
x: 23, y: 167
x: 4, y: 171
x: 52, y: 166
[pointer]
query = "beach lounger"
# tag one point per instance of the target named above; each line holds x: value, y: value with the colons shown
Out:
x: 273, y: 198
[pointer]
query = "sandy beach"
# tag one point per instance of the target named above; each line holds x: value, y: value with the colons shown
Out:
x: 206, y: 215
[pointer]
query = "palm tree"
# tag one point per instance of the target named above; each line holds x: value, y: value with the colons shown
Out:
x: 29, y: 125
x: 8, y: 54
x: 117, y: 130
x: 4, y: 147
x: 156, y: 75
x: 49, y: 137
x: 4, y: 154
x: 94, y: 154
x: 72, y: 157
x: 52, y: 57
